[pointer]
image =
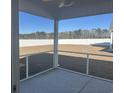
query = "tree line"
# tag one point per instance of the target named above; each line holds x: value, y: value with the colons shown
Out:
x: 76, y: 34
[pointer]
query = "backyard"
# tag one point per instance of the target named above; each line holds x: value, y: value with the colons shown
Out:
x: 71, y: 56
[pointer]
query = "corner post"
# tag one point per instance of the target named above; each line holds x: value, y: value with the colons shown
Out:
x: 55, y: 57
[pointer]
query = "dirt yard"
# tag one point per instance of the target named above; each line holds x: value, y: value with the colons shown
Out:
x: 95, y: 51
x: 71, y: 57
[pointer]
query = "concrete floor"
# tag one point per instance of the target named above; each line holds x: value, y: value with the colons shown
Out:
x: 65, y: 81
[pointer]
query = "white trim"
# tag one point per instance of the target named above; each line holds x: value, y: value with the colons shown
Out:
x: 36, y: 74
x: 15, y: 47
x: 87, y: 65
x: 27, y: 67
x: 108, y: 80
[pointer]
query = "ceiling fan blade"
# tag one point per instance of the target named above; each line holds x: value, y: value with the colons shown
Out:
x: 66, y: 3
x: 63, y: 3
x: 47, y: 0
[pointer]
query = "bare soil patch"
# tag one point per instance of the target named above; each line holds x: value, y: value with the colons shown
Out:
x: 70, y: 57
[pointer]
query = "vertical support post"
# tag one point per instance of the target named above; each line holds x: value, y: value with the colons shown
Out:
x: 27, y: 66
x: 87, y: 65
x: 55, y: 57
x: 15, y: 47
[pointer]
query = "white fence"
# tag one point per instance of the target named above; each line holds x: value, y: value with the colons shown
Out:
x: 37, y: 42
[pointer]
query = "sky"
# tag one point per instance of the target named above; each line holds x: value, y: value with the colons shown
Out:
x: 30, y: 23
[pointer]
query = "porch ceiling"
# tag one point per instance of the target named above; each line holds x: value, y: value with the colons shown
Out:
x: 80, y: 8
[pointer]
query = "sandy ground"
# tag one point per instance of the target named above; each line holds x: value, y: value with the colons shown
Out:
x: 96, y: 52
x: 101, y: 63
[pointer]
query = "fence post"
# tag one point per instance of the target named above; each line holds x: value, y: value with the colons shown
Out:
x: 87, y: 65
x: 27, y: 67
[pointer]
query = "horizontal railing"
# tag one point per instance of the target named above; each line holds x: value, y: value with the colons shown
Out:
x: 87, y: 57
x: 27, y: 60
x: 85, y: 53
x: 31, y: 54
